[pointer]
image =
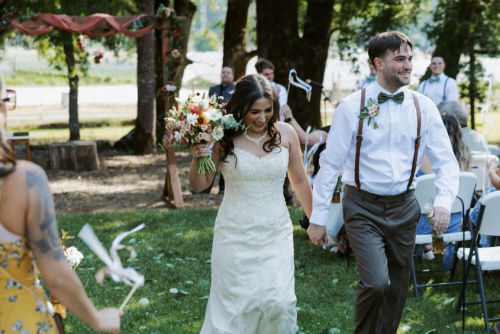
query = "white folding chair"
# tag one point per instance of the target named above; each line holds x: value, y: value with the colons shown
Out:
x: 425, y: 192
x: 483, y: 259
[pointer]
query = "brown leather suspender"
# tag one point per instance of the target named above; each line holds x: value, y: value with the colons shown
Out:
x: 359, y: 139
x: 417, y: 141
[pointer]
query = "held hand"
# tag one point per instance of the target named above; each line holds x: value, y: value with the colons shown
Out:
x: 201, y: 150
x: 108, y: 320
x: 317, y: 234
x: 441, y: 219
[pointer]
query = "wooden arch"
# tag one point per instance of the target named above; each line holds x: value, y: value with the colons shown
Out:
x: 104, y: 25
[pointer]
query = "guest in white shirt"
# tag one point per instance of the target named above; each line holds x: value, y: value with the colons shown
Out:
x: 439, y: 87
x: 380, y: 209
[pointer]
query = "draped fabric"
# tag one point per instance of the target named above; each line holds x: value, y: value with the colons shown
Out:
x: 96, y: 25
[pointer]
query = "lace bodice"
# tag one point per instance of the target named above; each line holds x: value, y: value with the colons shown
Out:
x: 252, y: 176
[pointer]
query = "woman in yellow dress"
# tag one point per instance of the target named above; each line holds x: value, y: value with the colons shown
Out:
x: 29, y: 238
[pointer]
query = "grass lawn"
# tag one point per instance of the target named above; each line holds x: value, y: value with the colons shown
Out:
x: 100, y: 129
x: 174, y: 252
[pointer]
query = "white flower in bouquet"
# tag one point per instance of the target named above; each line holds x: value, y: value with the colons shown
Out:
x: 178, y: 135
x: 218, y: 133
x: 191, y: 118
x: 73, y: 256
x: 213, y: 114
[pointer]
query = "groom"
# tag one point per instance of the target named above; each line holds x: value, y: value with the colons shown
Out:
x: 377, y: 140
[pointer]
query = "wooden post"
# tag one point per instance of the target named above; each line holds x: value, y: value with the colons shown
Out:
x: 172, y: 192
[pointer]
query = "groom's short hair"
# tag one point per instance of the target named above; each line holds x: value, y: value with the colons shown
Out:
x: 386, y: 41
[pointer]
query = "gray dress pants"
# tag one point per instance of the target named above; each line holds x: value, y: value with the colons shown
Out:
x: 381, y: 232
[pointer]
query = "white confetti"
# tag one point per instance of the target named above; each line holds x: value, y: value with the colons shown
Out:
x: 144, y: 301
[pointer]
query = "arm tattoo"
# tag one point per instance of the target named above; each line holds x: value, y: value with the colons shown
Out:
x: 45, y: 218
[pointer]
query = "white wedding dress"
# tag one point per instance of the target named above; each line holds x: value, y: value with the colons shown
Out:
x: 252, y: 289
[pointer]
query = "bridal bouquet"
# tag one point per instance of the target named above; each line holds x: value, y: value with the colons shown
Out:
x: 199, y: 120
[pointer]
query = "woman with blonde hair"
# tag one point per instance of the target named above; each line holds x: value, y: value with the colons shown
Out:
x: 29, y: 242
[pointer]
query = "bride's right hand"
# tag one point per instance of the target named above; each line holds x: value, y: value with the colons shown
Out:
x: 201, y: 150
x: 108, y: 321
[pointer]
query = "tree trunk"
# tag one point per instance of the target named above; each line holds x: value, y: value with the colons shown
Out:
x: 142, y: 138
x: 175, y: 71
x: 453, y: 35
x: 69, y: 54
x: 287, y: 50
x: 74, y: 155
x: 235, y: 54
x: 472, y: 88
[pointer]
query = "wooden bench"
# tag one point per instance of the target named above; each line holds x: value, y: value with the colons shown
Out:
x: 20, y: 138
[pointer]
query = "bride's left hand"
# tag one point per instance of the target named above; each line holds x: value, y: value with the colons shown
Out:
x: 201, y: 150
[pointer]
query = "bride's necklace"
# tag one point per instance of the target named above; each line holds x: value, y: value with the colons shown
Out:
x: 257, y: 140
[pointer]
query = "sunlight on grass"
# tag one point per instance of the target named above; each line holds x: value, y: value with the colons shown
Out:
x: 111, y: 134
x: 174, y: 252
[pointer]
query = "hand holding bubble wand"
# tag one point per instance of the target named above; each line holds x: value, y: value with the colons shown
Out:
x: 114, y: 267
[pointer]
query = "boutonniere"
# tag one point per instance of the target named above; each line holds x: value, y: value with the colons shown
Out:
x: 370, y: 111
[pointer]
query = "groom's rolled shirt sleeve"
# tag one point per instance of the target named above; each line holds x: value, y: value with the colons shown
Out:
x: 332, y: 162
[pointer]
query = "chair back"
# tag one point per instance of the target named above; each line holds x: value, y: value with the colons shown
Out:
x: 466, y: 188
x: 490, y: 220
x: 425, y: 191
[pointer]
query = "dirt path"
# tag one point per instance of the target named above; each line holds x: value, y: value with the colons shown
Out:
x: 124, y: 182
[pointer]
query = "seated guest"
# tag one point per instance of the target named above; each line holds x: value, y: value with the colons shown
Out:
x: 313, y: 137
x: 494, y: 175
x: 462, y: 155
x: 473, y: 139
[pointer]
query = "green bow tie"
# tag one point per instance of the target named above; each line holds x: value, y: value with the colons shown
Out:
x: 433, y: 79
x: 398, y: 98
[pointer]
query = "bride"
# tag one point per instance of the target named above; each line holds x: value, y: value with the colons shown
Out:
x: 252, y: 289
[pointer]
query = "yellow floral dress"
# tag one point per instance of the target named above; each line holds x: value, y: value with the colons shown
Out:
x: 23, y: 306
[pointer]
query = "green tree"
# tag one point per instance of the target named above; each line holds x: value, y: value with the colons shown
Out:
x: 142, y: 138
x: 60, y: 48
x: 466, y: 27
x: 173, y: 71
x: 297, y: 34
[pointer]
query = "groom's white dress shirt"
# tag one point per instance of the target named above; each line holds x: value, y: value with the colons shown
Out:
x: 386, y: 152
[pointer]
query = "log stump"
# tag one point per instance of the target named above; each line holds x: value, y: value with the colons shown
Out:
x: 75, y: 155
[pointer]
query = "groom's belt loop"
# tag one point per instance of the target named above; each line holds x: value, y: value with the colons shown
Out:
x: 368, y: 196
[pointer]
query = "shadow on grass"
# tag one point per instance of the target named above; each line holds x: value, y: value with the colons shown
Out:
x: 174, y: 253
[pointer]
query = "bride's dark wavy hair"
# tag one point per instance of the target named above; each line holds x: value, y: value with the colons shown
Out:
x: 7, y: 163
x: 249, y: 89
